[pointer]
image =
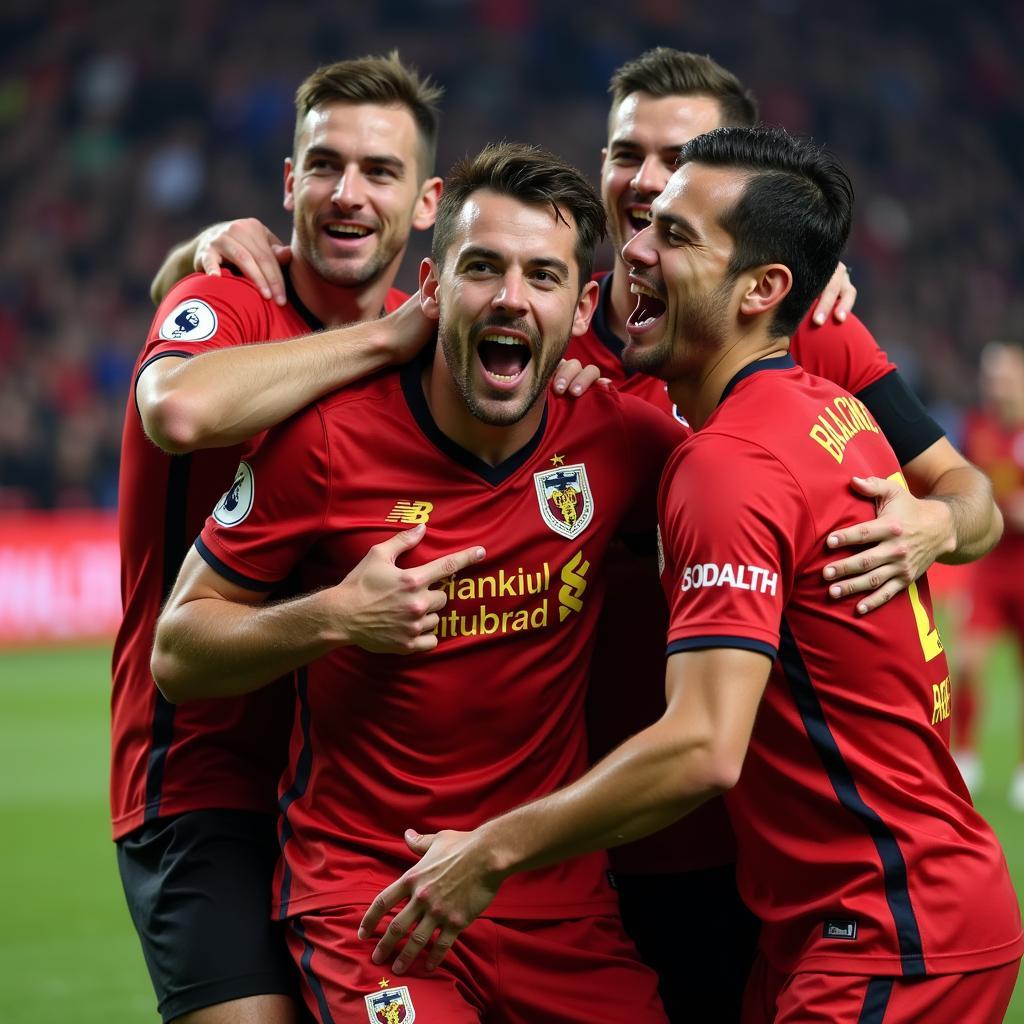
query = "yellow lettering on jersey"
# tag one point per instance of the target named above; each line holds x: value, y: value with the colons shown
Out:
x: 941, y: 695
x: 411, y: 512
x: 839, y: 423
x: 574, y: 582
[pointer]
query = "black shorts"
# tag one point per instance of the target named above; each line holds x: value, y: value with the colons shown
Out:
x: 198, y: 888
x: 697, y: 933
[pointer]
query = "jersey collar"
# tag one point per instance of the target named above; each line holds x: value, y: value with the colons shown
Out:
x: 599, y: 322
x: 314, y: 323
x: 412, y: 388
x: 785, y: 362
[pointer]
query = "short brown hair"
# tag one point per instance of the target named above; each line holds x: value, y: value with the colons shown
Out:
x: 531, y: 175
x: 667, y: 72
x: 382, y: 80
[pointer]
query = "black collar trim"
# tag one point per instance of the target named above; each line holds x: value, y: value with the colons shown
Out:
x: 605, y: 334
x: 412, y: 388
x: 314, y: 323
x: 775, y: 363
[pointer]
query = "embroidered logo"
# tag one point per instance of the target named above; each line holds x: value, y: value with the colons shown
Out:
x: 565, y: 499
x: 392, y: 1006
x: 192, y: 320
x: 411, y: 512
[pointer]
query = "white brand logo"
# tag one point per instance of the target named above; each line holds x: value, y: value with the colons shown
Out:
x: 742, y: 577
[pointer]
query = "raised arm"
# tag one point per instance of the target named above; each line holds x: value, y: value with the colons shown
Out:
x: 247, y: 244
x: 228, y: 395
x: 695, y: 751
x: 215, y: 638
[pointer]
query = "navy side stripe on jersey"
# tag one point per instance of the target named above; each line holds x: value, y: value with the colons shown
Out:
x: 876, y: 999
x: 894, y: 867
x: 175, y: 546
x: 303, y: 770
x: 306, y: 965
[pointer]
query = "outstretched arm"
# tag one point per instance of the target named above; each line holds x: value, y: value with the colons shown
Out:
x: 692, y: 753
x: 247, y: 244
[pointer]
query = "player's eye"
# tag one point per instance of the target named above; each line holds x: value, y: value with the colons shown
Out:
x: 625, y: 158
x: 546, y: 277
x: 382, y: 173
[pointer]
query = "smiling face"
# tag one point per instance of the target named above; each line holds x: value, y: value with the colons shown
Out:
x: 645, y: 135
x: 679, y: 271
x: 354, y: 190
x: 507, y: 298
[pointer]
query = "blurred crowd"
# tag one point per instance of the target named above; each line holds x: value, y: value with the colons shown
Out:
x: 127, y: 126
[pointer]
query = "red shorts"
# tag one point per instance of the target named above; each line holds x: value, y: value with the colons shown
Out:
x: 980, y: 997
x: 500, y: 971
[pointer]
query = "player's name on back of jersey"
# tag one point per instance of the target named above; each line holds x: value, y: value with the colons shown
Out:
x: 840, y: 422
x: 467, y: 614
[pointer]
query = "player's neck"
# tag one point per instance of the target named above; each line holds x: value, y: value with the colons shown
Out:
x: 698, y: 392
x: 337, y: 305
x: 490, y: 444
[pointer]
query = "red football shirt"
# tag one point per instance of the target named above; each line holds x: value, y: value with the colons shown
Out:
x: 494, y: 715
x: 207, y: 754
x: 998, y: 451
x: 858, y: 845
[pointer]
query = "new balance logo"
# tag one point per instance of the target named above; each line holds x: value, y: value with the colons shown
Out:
x: 411, y: 512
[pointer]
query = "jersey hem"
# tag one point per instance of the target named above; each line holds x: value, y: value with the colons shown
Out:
x: 124, y: 824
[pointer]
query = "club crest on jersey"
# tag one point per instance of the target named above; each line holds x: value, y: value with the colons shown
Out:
x: 236, y: 502
x: 192, y: 320
x: 392, y: 1006
x: 566, y: 503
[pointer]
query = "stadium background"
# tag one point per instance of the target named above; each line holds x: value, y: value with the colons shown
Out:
x: 126, y: 126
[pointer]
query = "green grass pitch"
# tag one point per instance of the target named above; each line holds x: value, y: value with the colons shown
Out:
x: 67, y: 949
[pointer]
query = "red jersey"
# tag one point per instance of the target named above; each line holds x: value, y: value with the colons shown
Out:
x: 208, y: 754
x: 494, y: 715
x: 845, y: 353
x: 858, y: 846
x: 998, y: 451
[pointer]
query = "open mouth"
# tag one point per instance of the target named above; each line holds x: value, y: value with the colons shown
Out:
x: 503, y: 355
x: 639, y: 217
x: 649, y: 307
x: 347, y: 231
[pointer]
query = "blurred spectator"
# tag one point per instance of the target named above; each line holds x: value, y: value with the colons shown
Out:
x: 127, y: 126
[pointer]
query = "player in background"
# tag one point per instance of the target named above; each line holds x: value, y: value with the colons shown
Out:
x: 883, y: 894
x: 193, y: 790
x: 994, y: 440
x: 464, y: 441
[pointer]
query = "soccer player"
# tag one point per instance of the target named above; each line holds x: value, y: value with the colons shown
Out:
x: 883, y: 895
x: 464, y: 442
x: 193, y: 790
x: 660, y: 101
x: 994, y: 439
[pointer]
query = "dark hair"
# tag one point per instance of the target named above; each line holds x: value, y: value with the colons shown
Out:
x: 531, y: 175
x: 382, y: 80
x: 795, y: 210
x: 666, y: 72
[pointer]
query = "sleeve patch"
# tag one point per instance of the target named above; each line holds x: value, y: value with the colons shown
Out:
x: 191, y: 320
x: 236, y: 502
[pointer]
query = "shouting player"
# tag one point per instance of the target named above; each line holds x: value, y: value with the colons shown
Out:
x: 464, y: 442
x: 883, y: 894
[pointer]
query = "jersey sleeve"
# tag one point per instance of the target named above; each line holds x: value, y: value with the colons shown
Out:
x: 730, y: 518
x: 275, y: 508
x: 201, y: 313
x: 848, y: 355
x: 650, y: 437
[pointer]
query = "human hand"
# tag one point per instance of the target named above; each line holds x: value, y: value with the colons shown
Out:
x: 573, y: 378
x: 384, y: 608
x: 252, y: 247
x: 447, y: 890
x: 410, y: 330
x: 908, y: 534
x: 837, y: 298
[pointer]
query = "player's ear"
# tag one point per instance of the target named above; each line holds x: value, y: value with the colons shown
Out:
x: 425, y: 210
x: 289, y: 184
x: 586, y: 304
x: 428, y: 290
x: 765, y: 287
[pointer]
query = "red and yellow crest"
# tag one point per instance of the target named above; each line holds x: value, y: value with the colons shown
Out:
x: 566, y: 503
x: 392, y: 1006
